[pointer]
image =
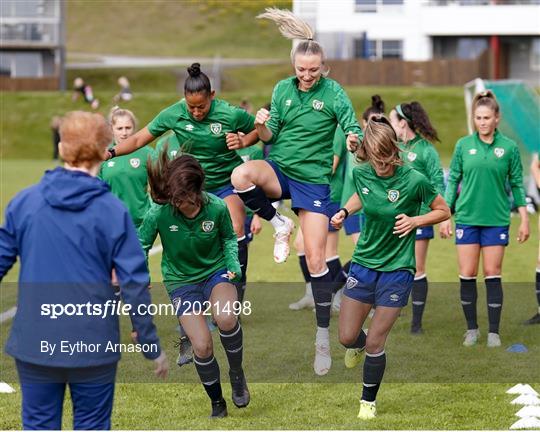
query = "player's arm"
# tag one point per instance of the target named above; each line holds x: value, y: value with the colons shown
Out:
x: 246, y: 135
x: 229, y: 244
x: 346, y: 118
x: 450, y: 196
x: 352, y: 206
x: 515, y: 178
x: 148, y: 229
x: 134, y: 142
x: 535, y: 169
x: 8, y: 243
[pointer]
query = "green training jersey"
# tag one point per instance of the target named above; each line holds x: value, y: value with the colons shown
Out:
x: 338, y: 177
x: 303, y: 125
x: 128, y: 179
x: 253, y: 152
x: 383, y: 198
x: 348, y: 181
x: 484, y: 170
x: 420, y: 154
x: 173, y: 146
x: 205, y: 139
x: 193, y: 249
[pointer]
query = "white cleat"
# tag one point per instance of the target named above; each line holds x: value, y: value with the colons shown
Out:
x: 323, y: 360
x: 493, y: 340
x: 281, y: 242
x: 305, y: 302
x: 471, y: 337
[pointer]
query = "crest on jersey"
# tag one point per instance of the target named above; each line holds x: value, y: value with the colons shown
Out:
x: 472, y: 151
x: 173, y: 153
x: 215, y: 128
x: 499, y: 152
x: 411, y: 156
x: 135, y: 162
x: 393, y: 195
x: 459, y: 233
x: 207, y: 226
x: 351, y: 282
x: 318, y: 105
x: 110, y: 164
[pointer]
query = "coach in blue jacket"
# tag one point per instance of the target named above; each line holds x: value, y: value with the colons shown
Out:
x: 70, y: 232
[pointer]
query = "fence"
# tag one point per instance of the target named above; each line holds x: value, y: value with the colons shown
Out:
x: 29, y: 84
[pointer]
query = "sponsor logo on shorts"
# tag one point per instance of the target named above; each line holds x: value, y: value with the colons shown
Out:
x: 459, y: 233
x: 499, y: 152
x: 135, y: 162
x: 318, y: 105
x: 288, y: 102
x: 173, y: 153
x: 394, y: 297
x: 393, y: 195
x: 419, y: 231
x: 411, y: 156
x: 110, y: 164
x: 207, y: 226
x: 317, y: 203
x: 351, y: 282
x: 215, y: 128
x: 365, y: 190
x: 177, y: 301
x: 173, y: 228
x: 502, y: 236
x: 189, y: 127
x: 245, y: 158
x: 472, y: 151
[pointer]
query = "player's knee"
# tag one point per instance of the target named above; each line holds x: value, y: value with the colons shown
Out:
x: 202, y: 348
x: 298, y: 244
x: 316, y: 261
x: 241, y: 176
x: 238, y: 228
x: 346, y: 338
x: 374, y: 343
x: 492, y: 271
x: 226, y: 322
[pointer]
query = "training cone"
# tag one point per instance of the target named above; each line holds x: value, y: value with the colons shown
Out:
x: 529, y: 411
x: 517, y: 348
x: 526, y: 423
x: 515, y: 390
x: 6, y: 388
x: 526, y: 399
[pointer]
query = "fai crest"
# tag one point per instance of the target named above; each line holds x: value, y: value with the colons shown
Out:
x: 135, y: 162
x: 351, y: 282
x: 499, y: 152
x: 393, y: 195
x: 411, y: 156
x: 215, y: 128
x: 173, y: 153
x: 459, y: 233
x: 318, y: 105
x: 208, y: 226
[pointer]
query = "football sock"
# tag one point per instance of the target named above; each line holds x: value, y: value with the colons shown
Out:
x: 494, y: 302
x: 469, y: 295
x: 374, y: 366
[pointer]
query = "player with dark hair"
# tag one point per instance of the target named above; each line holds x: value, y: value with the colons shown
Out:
x: 416, y: 140
x: 199, y: 262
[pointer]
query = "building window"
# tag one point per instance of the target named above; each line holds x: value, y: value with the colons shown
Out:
x: 392, y: 49
x: 374, y: 5
x: 378, y: 49
x: 535, y: 54
x: 27, y: 65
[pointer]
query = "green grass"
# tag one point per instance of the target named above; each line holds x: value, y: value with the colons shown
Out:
x: 431, y: 382
x: 25, y: 133
x: 203, y: 28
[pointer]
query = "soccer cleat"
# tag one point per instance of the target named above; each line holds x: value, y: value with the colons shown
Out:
x: 323, y: 360
x: 305, y: 302
x: 353, y: 356
x: 493, y: 340
x: 219, y: 409
x: 240, y: 392
x: 471, y: 337
x: 281, y: 242
x: 534, y: 320
x: 368, y: 410
x: 185, y: 351
x: 416, y: 329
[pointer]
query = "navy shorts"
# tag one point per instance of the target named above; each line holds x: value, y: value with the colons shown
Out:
x: 354, y: 223
x: 194, y: 298
x: 223, y: 192
x: 333, y: 207
x: 304, y: 196
x: 482, y: 235
x: 425, y: 233
x: 378, y: 288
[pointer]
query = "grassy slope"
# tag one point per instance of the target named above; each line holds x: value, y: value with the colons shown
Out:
x: 296, y: 399
x: 203, y: 28
x: 25, y: 116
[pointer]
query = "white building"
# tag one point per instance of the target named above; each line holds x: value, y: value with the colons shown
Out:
x: 418, y: 30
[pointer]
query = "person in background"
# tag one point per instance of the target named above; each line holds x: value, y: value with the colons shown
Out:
x: 535, y: 172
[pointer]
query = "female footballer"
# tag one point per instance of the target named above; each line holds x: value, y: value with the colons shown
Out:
x: 416, y: 138
x: 305, y: 111
x: 199, y: 261
x: 383, y: 264
x: 484, y: 162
